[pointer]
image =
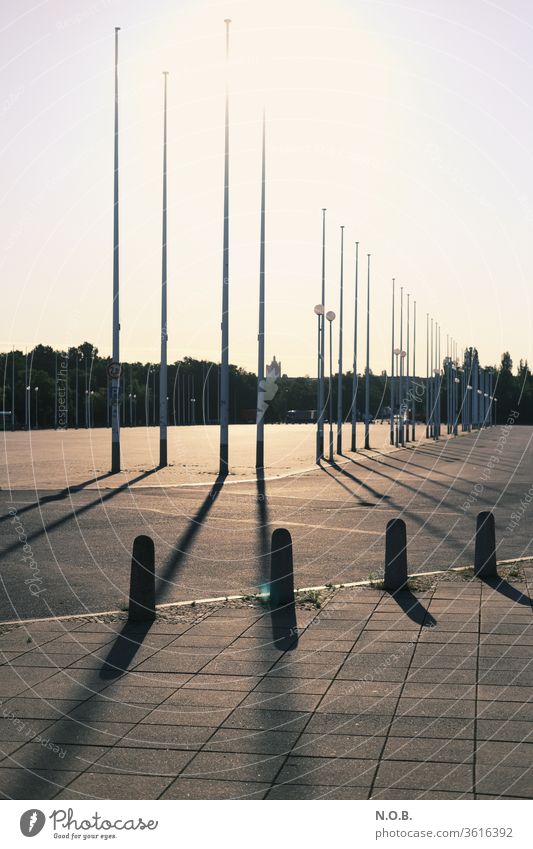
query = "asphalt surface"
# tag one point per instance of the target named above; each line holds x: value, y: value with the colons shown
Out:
x: 213, y: 541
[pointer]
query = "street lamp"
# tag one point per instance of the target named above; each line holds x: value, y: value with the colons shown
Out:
x: 36, y: 407
x: 319, y: 312
x: 330, y: 315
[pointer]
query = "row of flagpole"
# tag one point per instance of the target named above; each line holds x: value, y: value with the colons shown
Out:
x: 402, y: 426
x: 475, y: 404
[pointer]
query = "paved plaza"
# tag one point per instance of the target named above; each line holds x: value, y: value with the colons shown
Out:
x: 213, y: 540
x: 424, y: 695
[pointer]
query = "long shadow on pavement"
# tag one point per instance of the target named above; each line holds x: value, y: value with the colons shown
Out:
x: 78, y: 511
x: 59, y: 496
x: 183, y: 545
x: 413, y: 608
x: 124, y: 649
x: 506, y: 589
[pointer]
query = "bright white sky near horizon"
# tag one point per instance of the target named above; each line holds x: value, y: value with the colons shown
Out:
x: 410, y: 120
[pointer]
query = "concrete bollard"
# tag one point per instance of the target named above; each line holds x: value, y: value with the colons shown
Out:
x: 485, y: 565
x: 395, y: 556
x: 142, y: 581
x: 281, y: 569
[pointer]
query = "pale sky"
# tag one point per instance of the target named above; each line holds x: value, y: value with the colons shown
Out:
x: 410, y: 120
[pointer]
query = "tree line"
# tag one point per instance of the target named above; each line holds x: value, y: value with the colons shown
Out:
x: 72, y: 389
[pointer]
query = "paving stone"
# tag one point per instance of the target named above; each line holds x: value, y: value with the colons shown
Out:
x: 328, y: 771
x: 102, y: 711
x: 438, y: 691
x: 425, y: 776
x: 194, y: 788
x: 147, y: 761
x: 503, y: 729
x: 187, y: 716
x: 258, y: 742
x: 368, y: 689
x: 427, y: 675
x: 506, y: 694
x: 504, y: 754
x: 308, y: 791
x: 41, y: 784
x: 124, y: 695
x: 505, y: 710
x: 201, y: 681
x: 98, y: 785
x: 69, y: 730
x: 205, y: 698
x: 505, y: 780
x: 281, y: 701
x: 440, y: 727
x: 267, y: 720
x: 418, y: 794
x: 357, y: 705
x: 429, y: 749
x: 13, y: 730
x: 36, y: 756
x: 168, y: 736
x: 275, y: 684
x: 339, y: 746
x: 39, y: 708
x: 233, y: 766
x: 341, y: 723
x: 436, y: 707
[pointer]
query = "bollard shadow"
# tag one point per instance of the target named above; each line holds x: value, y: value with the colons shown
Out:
x: 284, y: 627
x: 78, y: 511
x: 412, y: 608
x: 124, y: 649
x: 185, y: 542
x: 263, y: 537
x: 59, y: 496
x: 506, y: 589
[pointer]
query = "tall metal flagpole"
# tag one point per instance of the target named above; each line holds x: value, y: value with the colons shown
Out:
x: 427, y: 375
x: 392, y: 370
x: 163, y: 404
x: 339, y: 382
x: 367, y: 376
x: 224, y: 365
x: 408, y: 382
x: 320, y: 451
x: 260, y: 416
x: 354, y: 378
x: 115, y: 385
x: 13, y: 390
x: 400, y: 396
x: 414, y: 375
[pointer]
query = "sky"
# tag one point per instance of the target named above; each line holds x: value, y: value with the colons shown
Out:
x: 410, y: 121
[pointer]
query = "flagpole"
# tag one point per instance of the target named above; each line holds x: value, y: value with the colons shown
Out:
x: 260, y: 436
x: 339, y: 383
x: 413, y: 423
x: 115, y: 390
x: 163, y: 404
x: 354, y: 377
x: 224, y: 365
x: 407, y: 379
x: 367, y: 377
x: 392, y: 370
x: 320, y: 429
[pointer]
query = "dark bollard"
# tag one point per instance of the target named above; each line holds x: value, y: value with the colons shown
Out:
x: 142, y: 581
x: 485, y: 565
x: 395, y: 556
x: 281, y: 569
